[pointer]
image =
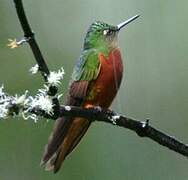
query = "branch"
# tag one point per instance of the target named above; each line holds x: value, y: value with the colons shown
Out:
x: 29, y: 35
x: 143, y: 129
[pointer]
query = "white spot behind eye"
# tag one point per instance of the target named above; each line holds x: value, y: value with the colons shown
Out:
x: 105, y: 32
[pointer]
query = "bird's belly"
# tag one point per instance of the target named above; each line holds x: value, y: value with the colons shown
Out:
x: 105, y: 87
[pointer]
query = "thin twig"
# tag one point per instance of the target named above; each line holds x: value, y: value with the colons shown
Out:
x: 29, y: 35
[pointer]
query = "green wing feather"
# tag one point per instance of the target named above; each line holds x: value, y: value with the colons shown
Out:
x: 87, y: 67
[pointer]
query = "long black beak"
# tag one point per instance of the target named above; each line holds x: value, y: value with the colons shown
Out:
x: 123, y: 24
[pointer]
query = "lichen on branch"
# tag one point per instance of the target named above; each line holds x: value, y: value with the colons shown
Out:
x: 24, y: 105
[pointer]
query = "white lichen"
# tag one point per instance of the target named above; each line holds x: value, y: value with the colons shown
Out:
x: 43, y: 90
x: 1, y: 91
x: 114, y: 119
x: 144, y: 124
x: 55, y: 78
x: 27, y: 116
x: 42, y: 102
x: 4, y: 110
x: 67, y: 108
x: 4, y: 103
x: 25, y: 105
x: 20, y: 100
x: 34, y: 69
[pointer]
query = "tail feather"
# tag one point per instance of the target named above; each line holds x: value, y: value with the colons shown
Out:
x: 80, y: 135
x: 56, y: 138
x: 49, y: 166
x: 54, y: 157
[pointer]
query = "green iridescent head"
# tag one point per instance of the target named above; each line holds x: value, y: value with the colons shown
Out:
x: 100, y: 34
x: 103, y: 35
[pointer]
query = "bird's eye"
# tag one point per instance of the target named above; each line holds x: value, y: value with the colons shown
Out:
x: 107, y: 32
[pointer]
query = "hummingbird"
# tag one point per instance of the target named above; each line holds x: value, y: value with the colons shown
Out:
x: 95, y: 81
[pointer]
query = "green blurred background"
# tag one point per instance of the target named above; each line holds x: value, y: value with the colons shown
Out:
x: 155, y: 51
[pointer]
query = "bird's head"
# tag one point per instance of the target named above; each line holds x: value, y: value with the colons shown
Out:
x: 103, y: 35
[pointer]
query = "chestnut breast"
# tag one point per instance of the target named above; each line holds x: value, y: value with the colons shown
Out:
x: 105, y: 87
